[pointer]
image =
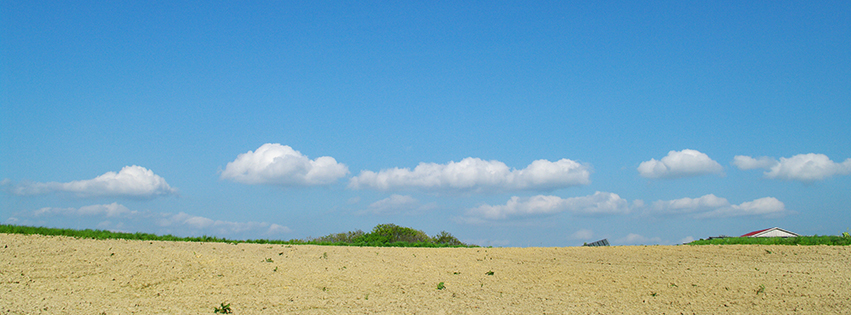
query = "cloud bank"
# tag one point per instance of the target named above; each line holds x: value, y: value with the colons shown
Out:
x: 678, y: 164
x: 597, y: 204
x: 476, y: 175
x: 108, y: 211
x: 802, y: 167
x: 117, y: 217
x: 711, y: 206
x: 276, y: 164
x: 131, y: 181
x: 397, y: 204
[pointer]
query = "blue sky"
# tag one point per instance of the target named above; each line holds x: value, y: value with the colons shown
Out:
x: 505, y: 123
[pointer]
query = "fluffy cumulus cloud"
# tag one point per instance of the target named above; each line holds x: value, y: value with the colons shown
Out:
x: 690, y: 205
x: 276, y: 164
x: 117, y: 217
x: 768, y: 207
x: 131, y: 181
x: 476, y: 175
x: 397, y: 204
x: 597, y: 204
x: 677, y: 164
x: 802, y: 167
x: 711, y: 206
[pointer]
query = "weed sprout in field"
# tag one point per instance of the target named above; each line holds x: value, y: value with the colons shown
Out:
x: 761, y: 289
x: 223, y: 309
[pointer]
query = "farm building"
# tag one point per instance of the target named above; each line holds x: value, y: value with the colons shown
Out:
x: 772, y: 232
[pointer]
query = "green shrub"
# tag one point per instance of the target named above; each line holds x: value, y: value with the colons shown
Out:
x: 384, y: 234
x: 347, y: 237
x: 447, y: 239
x: 799, y: 240
x: 381, y: 235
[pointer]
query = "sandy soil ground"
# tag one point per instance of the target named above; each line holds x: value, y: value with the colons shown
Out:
x: 58, y: 275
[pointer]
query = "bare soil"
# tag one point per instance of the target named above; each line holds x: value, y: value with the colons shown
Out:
x: 63, y: 275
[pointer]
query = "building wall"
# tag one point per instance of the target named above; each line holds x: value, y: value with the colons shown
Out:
x: 774, y: 233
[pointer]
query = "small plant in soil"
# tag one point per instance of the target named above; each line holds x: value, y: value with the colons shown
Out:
x: 440, y: 286
x: 223, y: 309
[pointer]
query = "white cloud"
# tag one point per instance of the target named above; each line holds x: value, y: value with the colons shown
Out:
x: 182, y: 222
x: 132, y: 181
x: 633, y: 238
x: 117, y: 217
x: 686, y: 240
x: 596, y: 204
x: 353, y: 200
x: 583, y: 234
x: 749, y: 163
x: 110, y: 210
x: 275, y: 229
x: 711, y: 206
x: 806, y: 168
x: 396, y: 204
x: 689, y: 205
x: 768, y: 207
x: 276, y: 164
x: 677, y: 164
x: 477, y: 175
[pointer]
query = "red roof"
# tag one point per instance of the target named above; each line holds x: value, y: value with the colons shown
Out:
x: 755, y: 232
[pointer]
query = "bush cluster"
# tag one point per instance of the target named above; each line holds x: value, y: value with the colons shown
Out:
x: 381, y: 235
x: 799, y: 240
x: 389, y: 235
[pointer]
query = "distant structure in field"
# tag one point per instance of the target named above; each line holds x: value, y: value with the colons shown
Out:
x: 602, y: 242
x: 772, y: 232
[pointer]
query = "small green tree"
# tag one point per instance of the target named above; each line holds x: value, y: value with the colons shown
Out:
x: 445, y: 238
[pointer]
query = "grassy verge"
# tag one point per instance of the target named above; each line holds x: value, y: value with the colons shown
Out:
x: 800, y: 240
x: 383, y: 235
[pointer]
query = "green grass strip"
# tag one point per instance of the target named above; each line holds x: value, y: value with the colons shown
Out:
x: 361, y: 238
x: 799, y: 240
